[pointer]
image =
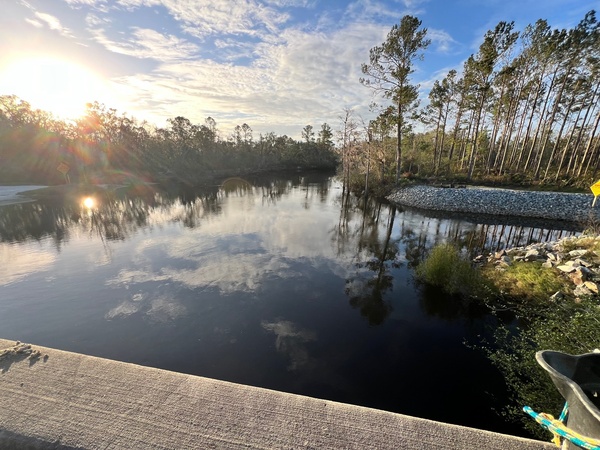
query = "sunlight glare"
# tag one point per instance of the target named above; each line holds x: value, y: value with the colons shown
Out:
x: 60, y: 87
x: 89, y: 202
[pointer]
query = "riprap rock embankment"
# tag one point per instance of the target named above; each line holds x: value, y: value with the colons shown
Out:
x: 502, y: 202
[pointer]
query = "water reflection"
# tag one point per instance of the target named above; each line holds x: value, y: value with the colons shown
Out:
x: 282, y: 282
x: 291, y: 341
x: 375, y: 254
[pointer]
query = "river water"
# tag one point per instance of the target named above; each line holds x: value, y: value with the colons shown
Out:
x: 278, y: 282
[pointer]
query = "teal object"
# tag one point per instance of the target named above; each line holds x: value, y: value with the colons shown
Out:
x: 577, y: 378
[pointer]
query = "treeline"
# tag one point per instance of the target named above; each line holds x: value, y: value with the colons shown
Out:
x: 106, y: 147
x: 524, y: 108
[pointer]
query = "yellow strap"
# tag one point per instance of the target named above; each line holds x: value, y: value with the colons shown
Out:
x: 558, y: 424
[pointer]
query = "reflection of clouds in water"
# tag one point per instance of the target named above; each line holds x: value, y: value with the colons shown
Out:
x: 238, y: 249
x: 160, y: 309
x: 98, y: 258
x: 123, y: 310
x: 230, y: 273
x: 283, y: 232
x: 127, y: 277
x: 127, y: 308
x: 164, y: 309
x: 230, y: 263
x: 290, y: 341
x: 234, y: 264
x: 18, y: 262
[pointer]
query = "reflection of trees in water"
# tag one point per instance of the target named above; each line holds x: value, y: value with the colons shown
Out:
x: 359, y: 230
x: 272, y: 188
x: 119, y: 214
x: 437, y: 303
x: 364, y: 231
x: 114, y: 217
x: 419, y: 236
x: 488, y: 238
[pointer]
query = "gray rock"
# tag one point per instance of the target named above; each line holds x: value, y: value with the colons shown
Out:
x: 581, y: 291
x: 532, y: 255
x: 544, y: 205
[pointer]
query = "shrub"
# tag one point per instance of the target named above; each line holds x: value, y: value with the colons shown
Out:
x: 445, y: 267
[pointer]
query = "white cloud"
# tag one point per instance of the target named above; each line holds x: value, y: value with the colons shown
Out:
x: 93, y: 20
x: 201, y: 18
x: 304, y: 78
x: 412, y: 4
x: 260, y: 70
x: 368, y: 10
x: 443, y: 42
x: 35, y: 23
x: 294, y: 3
x: 147, y: 43
x: 86, y: 2
x: 53, y: 23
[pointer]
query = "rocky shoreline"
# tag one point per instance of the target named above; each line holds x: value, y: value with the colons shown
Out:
x: 501, y: 202
x: 576, y: 259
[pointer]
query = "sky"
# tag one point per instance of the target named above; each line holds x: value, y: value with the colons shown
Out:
x: 277, y: 65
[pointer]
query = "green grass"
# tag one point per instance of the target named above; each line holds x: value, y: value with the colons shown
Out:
x: 445, y: 267
x: 527, y: 281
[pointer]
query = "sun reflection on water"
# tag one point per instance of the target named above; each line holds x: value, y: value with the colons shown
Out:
x: 89, y: 202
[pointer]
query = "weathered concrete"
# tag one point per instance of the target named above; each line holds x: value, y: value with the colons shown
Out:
x: 51, y: 399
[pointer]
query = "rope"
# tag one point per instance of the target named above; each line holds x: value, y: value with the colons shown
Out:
x: 561, y: 431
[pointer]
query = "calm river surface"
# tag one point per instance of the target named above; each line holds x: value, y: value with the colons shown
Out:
x: 274, y: 282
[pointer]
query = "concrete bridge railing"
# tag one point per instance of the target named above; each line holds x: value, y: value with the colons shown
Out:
x: 51, y: 399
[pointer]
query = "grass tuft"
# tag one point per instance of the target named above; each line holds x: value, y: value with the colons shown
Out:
x: 527, y: 281
x: 445, y: 267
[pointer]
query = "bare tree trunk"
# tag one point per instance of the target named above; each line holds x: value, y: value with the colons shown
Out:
x: 588, y: 147
x: 548, y: 130
x: 399, y: 144
x: 541, y: 119
x: 557, y: 142
x: 588, y: 116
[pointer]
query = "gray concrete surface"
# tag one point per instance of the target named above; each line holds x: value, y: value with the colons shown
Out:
x: 51, y: 399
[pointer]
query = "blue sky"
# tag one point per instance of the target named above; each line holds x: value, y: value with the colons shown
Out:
x: 276, y: 65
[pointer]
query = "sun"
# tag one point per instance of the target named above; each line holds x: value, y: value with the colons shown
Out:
x: 58, y: 86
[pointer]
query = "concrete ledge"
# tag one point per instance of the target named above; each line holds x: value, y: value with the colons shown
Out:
x: 51, y: 399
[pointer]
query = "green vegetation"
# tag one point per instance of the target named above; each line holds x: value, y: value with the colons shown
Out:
x: 525, y: 289
x: 527, y: 281
x: 570, y: 327
x: 388, y: 74
x: 104, y: 147
x: 523, y: 110
x: 446, y: 267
